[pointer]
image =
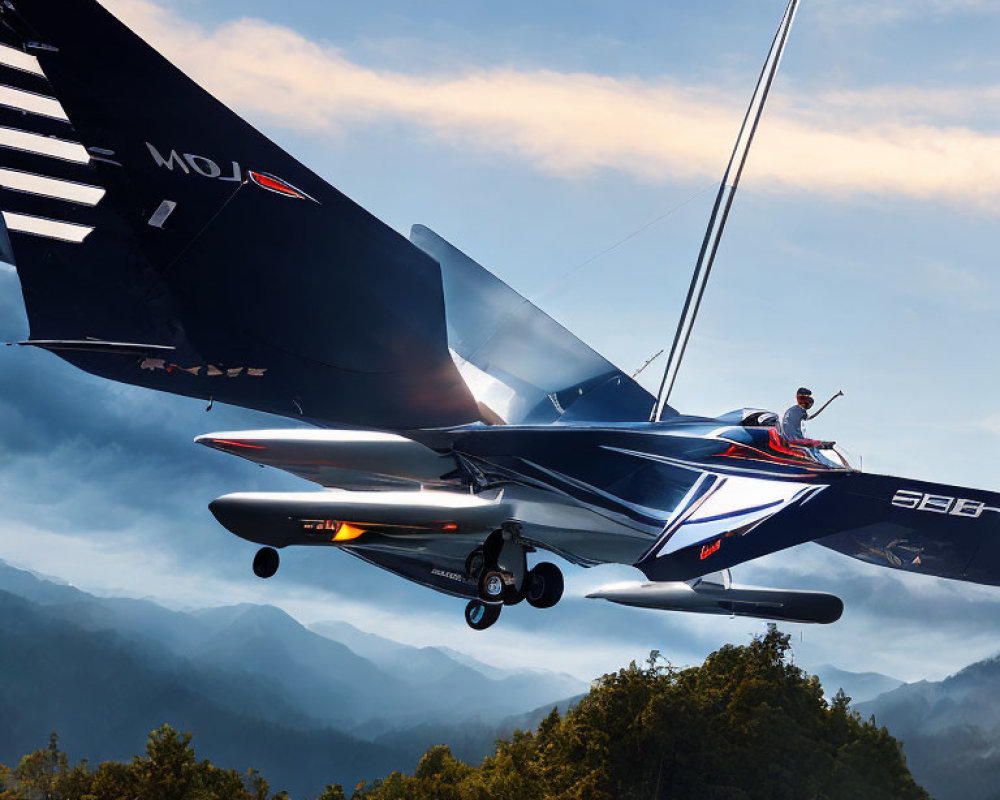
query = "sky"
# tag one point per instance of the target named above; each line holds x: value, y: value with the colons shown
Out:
x: 860, y: 256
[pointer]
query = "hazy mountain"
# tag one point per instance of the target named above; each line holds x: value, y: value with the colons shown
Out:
x: 446, y: 679
x: 367, y: 645
x: 103, y: 693
x: 471, y: 741
x: 469, y: 661
x: 255, y: 686
x: 859, y: 686
x: 950, y: 730
x: 357, y: 682
x: 323, y: 677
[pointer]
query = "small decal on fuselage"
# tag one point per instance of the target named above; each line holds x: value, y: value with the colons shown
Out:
x: 153, y: 364
x: 940, y: 504
x: 452, y: 576
x: 708, y: 549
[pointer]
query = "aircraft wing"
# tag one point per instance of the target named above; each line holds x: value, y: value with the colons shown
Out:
x: 162, y: 241
x: 927, y: 528
x: 344, y: 459
x: 520, y: 362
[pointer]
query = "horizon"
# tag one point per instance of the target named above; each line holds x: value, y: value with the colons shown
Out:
x: 315, y: 627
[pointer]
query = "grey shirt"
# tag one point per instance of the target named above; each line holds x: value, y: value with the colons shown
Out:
x: 791, y: 422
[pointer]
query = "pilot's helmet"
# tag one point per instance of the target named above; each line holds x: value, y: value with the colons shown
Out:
x: 804, y: 397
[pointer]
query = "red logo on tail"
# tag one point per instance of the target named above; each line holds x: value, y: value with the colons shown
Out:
x: 277, y: 185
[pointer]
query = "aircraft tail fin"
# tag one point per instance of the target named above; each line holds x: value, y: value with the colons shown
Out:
x: 141, y: 210
x: 527, y: 366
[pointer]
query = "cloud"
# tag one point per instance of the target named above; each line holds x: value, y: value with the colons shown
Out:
x: 868, y: 13
x: 878, y: 141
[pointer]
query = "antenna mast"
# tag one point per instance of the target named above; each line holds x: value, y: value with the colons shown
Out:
x: 720, y: 211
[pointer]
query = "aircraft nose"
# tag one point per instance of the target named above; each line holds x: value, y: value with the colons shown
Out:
x: 229, y: 512
x: 255, y: 517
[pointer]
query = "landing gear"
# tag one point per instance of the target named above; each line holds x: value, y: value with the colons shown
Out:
x: 499, y: 566
x: 500, y: 571
x: 480, y: 615
x: 544, y: 585
x: 265, y: 563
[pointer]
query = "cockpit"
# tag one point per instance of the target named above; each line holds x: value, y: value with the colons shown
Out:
x: 758, y: 418
x: 761, y: 430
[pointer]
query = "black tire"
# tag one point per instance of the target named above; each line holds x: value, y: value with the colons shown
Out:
x: 511, y: 596
x: 479, y: 615
x: 474, y: 564
x: 544, y: 585
x: 492, y: 586
x: 266, y: 562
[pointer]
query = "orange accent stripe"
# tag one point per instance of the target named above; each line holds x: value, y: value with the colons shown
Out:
x: 232, y: 443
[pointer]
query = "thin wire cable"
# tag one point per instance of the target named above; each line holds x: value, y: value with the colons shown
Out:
x: 642, y: 229
x: 526, y: 304
x: 716, y: 225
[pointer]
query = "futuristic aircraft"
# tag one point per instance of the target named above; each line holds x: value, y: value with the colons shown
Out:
x: 458, y: 430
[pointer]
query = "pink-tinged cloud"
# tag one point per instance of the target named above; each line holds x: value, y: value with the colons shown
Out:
x: 885, y: 141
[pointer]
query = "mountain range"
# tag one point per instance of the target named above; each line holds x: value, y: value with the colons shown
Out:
x: 255, y: 686
x: 332, y: 703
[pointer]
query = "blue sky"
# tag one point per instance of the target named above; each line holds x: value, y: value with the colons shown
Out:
x: 860, y: 256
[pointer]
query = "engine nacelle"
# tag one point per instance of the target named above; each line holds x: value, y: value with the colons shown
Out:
x: 338, y: 516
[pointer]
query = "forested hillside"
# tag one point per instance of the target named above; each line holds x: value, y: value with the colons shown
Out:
x: 746, y: 724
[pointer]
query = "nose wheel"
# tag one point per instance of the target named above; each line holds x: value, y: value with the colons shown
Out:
x: 479, y: 615
x: 265, y: 563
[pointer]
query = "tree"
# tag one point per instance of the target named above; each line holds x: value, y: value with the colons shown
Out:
x: 169, y: 769
x: 38, y: 774
x: 6, y: 781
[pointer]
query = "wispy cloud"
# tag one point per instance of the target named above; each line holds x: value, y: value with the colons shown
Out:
x: 867, y: 13
x: 881, y: 141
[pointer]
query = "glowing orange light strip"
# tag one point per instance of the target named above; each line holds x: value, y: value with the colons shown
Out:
x: 346, y: 532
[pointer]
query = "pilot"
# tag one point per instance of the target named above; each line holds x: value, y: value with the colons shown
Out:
x: 791, y: 421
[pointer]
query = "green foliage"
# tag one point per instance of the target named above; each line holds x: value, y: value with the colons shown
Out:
x: 747, y: 724
x: 168, y: 771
